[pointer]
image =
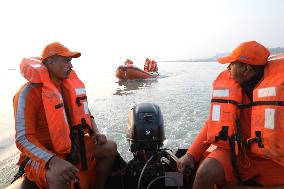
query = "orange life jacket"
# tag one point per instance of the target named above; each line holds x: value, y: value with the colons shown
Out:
x: 267, y: 124
x: 146, y: 65
x: 75, y: 98
x: 267, y: 118
x: 153, y: 66
x: 226, y: 96
x: 156, y: 66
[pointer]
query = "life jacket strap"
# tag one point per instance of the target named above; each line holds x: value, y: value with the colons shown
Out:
x: 261, y: 103
x: 275, y: 103
x: 21, y: 170
x: 225, y: 101
x: 73, y: 156
x: 234, y: 152
x: 78, y: 145
x: 81, y: 142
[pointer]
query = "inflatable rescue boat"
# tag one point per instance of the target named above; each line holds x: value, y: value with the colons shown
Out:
x: 132, y: 72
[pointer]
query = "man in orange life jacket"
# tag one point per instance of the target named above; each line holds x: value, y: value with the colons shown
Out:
x: 153, y: 66
x: 147, y: 65
x: 39, y: 134
x: 234, y: 162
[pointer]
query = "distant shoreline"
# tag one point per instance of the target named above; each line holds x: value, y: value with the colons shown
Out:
x: 273, y: 51
x: 199, y: 60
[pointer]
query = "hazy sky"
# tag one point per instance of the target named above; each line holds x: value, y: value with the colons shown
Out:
x: 111, y: 31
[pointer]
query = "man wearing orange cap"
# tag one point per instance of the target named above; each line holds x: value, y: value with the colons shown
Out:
x: 153, y: 66
x: 128, y: 62
x: 147, y: 65
x: 55, y: 130
x: 243, y: 124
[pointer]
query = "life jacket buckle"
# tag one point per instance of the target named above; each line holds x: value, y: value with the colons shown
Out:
x: 78, y: 100
x: 257, y: 139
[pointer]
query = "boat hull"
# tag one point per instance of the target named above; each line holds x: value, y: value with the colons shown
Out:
x: 133, y: 72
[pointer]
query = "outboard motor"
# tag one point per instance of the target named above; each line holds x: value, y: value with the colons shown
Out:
x: 152, y: 165
x: 145, y: 127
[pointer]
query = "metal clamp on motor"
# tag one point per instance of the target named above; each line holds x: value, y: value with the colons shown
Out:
x: 172, y: 155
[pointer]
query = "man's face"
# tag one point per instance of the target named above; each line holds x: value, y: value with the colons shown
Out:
x: 60, y: 66
x: 236, y: 70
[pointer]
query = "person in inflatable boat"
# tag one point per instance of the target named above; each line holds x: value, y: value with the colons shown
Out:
x: 147, y: 65
x: 128, y: 62
x: 60, y: 144
x: 246, y: 124
x: 153, y: 67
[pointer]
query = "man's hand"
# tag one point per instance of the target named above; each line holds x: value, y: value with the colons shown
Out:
x: 185, y: 160
x: 101, y: 139
x: 61, y: 170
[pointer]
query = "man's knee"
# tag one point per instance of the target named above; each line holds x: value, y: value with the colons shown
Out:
x: 211, y: 170
x: 107, y: 150
x: 55, y: 182
x: 112, y: 148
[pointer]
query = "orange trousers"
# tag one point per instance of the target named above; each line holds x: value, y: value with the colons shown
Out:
x: 264, y: 171
x: 38, y: 176
x: 37, y: 173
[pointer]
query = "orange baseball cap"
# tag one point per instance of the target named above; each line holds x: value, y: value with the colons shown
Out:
x: 249, y: 52
x: 57, y: 48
